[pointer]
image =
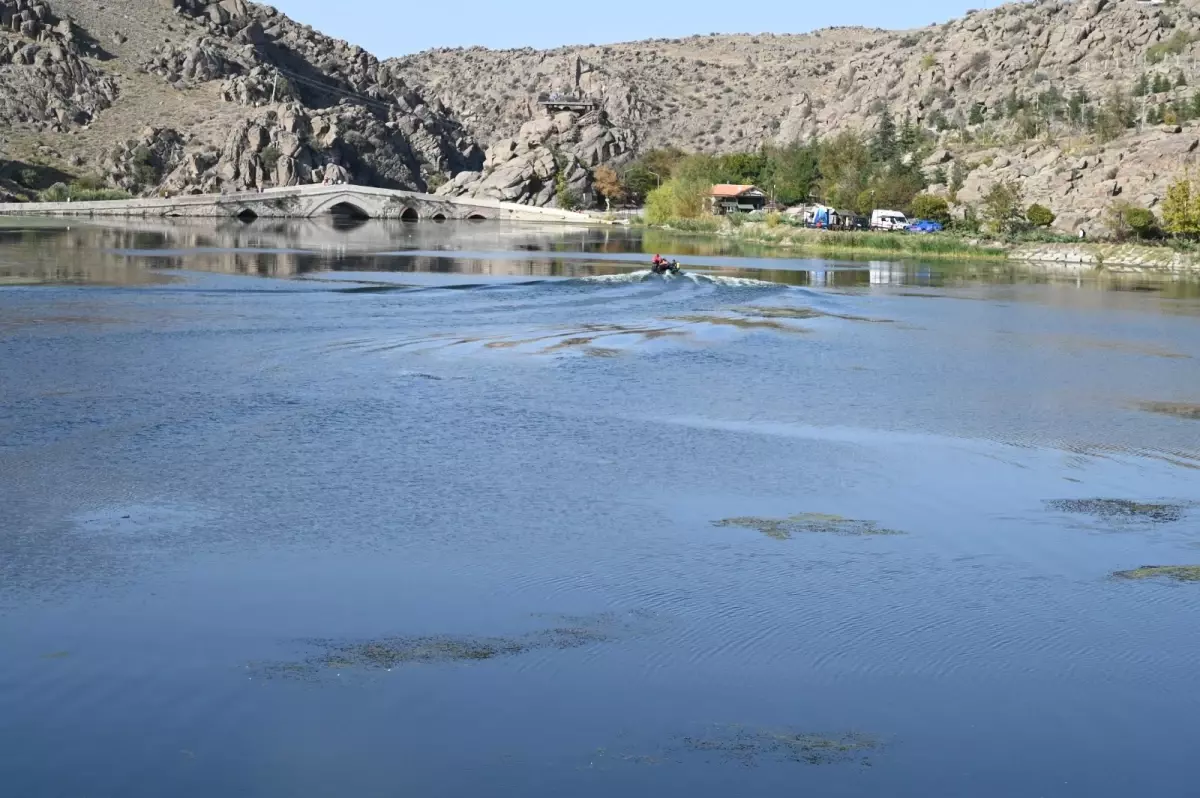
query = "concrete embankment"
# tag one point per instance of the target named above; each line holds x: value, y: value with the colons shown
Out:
x: 1109, y: 257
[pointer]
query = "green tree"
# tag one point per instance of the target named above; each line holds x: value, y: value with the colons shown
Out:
x: 895, y: 189
x: 1075, y: 106
x: 639, y: 181
x: 790, y: 172
x: 910, y: 135
x: 978, y: 113
x: 1013, y: 104
x: 1141, y: 86
x: 883, y: 147
x: 1180, y: 81
x: 1050, y: 103
x: 1181, y: 210
x: 651, y: 170
x: 1142, y: 222
x: 1039, y: 215
x: 958, y: 176
x: 1002, y: 206
x: 929, y: 206
x: 1115, y: 116
x: 844, y: 163
x: 677, y: 199
x: 743, y: 168
x: 701, y: 167
x: 1161, y: 83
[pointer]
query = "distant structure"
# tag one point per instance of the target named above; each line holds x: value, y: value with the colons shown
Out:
x: 727, y: 198
x: 556, y: 101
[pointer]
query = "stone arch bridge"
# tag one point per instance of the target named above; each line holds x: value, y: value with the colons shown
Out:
x: 303, y: 202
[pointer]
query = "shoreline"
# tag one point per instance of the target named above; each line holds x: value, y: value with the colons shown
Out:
x: 1084, y: 256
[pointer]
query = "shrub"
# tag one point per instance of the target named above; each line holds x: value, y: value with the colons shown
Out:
x: 1143, y: 222
x: 676, y: 199
x: 1175, y: 45
x: 928, y: 206
x: 1123, y: 218
x: 270, y: 157
x: 1002, y: 206
x: 56, y: 193
x: 928, y: 62
x: 1039, y: 215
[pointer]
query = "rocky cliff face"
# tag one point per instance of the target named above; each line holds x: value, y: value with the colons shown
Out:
x: 197, y: 95
x: 733, y: 93
x: 549, y: 161
x: 45, y: 81
x: 282, y: 103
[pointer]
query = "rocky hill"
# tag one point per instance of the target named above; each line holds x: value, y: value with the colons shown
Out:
x: 995, y: 87
x: 191, y: 95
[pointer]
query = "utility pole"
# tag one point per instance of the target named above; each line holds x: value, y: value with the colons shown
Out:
x: 274, y: 85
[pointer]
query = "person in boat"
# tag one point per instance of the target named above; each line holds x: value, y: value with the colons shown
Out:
x: 659, y: 263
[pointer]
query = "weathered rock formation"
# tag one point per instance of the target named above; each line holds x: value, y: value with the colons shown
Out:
x: 244, y: 97
x: 551, y: 155
x: 954, y: 80
x: 44, y: 81
x: 288, y: 105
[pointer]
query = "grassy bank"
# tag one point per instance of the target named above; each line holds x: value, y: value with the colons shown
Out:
x: 847, y: 244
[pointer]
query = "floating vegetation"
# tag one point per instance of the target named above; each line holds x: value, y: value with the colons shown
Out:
x: 1120, y: 509
x: 1179, y: 573
x: 749, y: 746
x: 739, y: 322
x: 785, y: 528
x: 394, y: 652
x: 804, y: 313
x: 1177, y: 409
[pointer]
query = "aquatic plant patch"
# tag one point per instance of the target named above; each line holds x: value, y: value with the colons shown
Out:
x: 750, y: 746
x: 808, y: 523
x: 1121, y: 509
x: 394, y: 652
x: 1178, y: 573
x: 1177, y: 409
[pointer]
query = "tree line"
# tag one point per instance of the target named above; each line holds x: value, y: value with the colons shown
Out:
x: 850, y: 171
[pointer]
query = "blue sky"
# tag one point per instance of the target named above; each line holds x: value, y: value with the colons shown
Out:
x: 388, y: 28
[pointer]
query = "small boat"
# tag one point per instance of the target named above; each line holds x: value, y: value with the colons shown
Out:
x: 671, y: 267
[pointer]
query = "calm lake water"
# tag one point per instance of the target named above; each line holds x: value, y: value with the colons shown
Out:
x: 445, y: 510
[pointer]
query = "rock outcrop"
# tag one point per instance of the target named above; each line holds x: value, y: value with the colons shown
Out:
x: 44, y: 81
x: 980, y: 85
x: 549, y: 162
x: 284, y: 103
x: 242, y: 98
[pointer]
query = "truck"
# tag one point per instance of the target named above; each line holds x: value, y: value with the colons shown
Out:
x: 888, y: 220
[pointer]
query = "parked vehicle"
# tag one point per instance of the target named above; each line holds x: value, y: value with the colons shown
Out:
x: 888, y: 220
x: 925, y: 226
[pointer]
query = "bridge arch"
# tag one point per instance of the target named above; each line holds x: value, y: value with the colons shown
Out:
x: 439, y: 217
x: 410, y: 215
x: 343, y: 204
x: 476, y: 216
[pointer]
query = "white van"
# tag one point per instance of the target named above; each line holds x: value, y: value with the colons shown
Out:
x: 888, y: 220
